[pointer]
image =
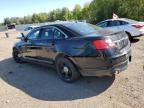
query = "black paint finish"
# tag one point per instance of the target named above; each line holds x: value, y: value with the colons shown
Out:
x: 78, y: 48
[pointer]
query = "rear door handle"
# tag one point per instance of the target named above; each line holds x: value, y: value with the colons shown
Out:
x: 53, y: 43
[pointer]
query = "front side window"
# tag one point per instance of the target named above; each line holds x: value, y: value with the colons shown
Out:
x: 34, y: 34
x: 103, y: 24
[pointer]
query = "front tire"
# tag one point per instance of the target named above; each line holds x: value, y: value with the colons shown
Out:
x: 67, y: 70
x: 17, y: 56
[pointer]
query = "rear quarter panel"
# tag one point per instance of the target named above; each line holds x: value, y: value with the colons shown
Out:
x: 82, y: 52
x: 76, y: 47
x: 128, y: 28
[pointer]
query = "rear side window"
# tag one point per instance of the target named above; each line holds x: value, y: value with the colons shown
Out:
x: 83, y: 28
x: 123, y: 23
x: 47, y: 33
x: 58, y: 34
x: 114, y: 23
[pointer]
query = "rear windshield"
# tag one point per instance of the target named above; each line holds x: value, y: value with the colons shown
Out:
x: 84, y: 28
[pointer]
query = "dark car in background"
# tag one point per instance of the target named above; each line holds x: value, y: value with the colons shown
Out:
x: 11, y: 26
x: 75, y: 49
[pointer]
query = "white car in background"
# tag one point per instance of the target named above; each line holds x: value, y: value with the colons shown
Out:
x: 131, y: 27
x: 28, y: 29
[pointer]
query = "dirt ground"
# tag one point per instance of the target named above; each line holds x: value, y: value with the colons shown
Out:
x: 33, y: 86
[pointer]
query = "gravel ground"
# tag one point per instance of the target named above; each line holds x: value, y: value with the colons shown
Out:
x: 33, y: 86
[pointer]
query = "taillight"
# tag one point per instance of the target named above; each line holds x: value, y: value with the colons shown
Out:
x: 138, y: 26
x: 104, y: 44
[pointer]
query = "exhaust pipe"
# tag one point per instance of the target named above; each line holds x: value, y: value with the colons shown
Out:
x: 117, y: 71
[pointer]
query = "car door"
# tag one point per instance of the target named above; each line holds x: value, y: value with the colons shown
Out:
x: 123, y: 26
x: 46, y: 45
x: 50, y: 36
x: 29, y: 48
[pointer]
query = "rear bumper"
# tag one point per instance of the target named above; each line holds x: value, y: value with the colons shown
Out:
x: 93, y: 67
x: 105, y: 72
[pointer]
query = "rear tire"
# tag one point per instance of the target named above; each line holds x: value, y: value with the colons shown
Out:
x: 67, y: 70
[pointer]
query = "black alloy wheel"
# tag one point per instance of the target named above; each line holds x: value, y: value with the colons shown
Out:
x: 66, y: 70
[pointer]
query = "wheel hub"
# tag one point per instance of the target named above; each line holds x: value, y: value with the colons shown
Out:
x: 19, y: 55
x: 65, y: 69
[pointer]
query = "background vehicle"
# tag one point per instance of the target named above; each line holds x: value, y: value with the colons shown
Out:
x: 75, y: 49
x: 28, y: 29
x: 131, y: 27
x: 11, y: 26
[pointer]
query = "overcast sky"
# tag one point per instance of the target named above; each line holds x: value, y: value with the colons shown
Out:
x: 20, y: 8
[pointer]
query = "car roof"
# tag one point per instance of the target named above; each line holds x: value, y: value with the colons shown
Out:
x: 121, y: 19
x: 62, y: 26
x: 61, y: 23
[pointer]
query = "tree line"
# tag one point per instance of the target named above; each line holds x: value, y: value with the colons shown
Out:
x: 92, y: 12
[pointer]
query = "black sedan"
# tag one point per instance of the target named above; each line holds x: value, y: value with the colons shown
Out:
x: 75, y: 49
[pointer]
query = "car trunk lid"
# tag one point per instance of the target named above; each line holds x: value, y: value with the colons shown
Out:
x: 121, y: 41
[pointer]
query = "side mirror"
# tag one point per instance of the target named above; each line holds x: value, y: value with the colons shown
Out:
x: 23, y: 38
x: 22, y: 35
